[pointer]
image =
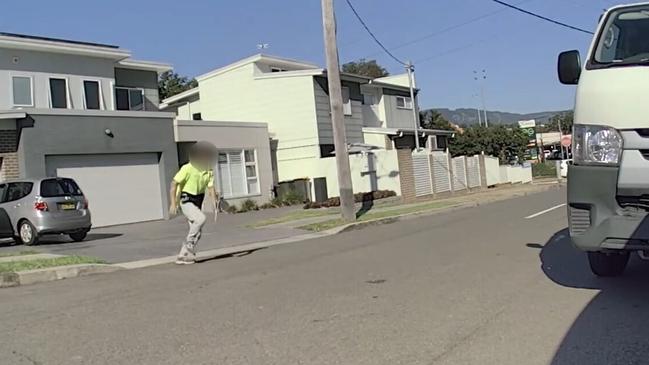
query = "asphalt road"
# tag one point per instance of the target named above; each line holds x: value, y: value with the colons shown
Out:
x: 475, y: 286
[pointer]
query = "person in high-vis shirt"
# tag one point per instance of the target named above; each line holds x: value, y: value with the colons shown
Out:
x: 188, y: 190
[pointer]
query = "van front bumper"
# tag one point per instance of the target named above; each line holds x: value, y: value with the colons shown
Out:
x: 597, y: 222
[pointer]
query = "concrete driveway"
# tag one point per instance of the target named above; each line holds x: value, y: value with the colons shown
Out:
x: 163, y: 238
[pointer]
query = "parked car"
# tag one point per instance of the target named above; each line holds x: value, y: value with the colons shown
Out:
x: 38, y: 207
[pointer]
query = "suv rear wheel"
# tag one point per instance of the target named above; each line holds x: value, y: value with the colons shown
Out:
x: 27, y: 234
x: 606, y: 265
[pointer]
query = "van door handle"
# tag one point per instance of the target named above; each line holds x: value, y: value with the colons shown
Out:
x: 17, y: 205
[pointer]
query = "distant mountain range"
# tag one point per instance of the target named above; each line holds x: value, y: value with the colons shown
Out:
x: 469, y: 116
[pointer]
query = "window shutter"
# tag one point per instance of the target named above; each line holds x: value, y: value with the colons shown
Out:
x: 237, y: 174
x: 224, y: 176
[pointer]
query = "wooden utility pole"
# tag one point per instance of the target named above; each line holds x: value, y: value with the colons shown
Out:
x: 337, y: 116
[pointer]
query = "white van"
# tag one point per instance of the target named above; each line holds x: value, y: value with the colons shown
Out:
x: 608, y: 183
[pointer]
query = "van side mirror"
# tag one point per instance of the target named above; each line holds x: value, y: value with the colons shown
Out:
x: 569, y: 67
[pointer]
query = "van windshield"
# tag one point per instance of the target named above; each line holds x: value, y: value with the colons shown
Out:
x: 59, y: 187
x: 624, y: 40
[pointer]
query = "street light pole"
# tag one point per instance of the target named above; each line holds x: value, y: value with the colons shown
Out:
x: 337, y: 117
x: 415, y: 113
x: 481, y: 80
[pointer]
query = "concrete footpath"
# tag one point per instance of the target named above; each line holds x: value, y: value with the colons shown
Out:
x: 153, y: 243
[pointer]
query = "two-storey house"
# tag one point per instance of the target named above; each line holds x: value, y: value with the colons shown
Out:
x: 87, y: 111
x: 292, y: 98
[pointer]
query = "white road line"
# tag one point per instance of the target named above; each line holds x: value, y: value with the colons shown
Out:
x: 545, y: 211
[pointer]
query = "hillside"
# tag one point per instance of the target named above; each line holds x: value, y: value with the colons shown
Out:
x: 468, y: 116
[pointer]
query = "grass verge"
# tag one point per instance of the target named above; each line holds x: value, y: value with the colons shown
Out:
x: 293, y: 216
x: 323, y: 226
x: 15, y: 266
x: 19, y: 253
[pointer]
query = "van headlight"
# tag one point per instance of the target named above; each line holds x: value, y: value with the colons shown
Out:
x: 596, y: 145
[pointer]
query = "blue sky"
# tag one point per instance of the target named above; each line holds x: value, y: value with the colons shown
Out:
x: 517, y: 51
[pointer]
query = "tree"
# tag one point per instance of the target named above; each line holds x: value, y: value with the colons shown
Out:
x: 171, y: 83
x: 566, y: 120
x: 365, y: 67
x: 508, y: 144
x: 432, y: 119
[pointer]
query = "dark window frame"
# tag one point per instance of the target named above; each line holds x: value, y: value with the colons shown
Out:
x: 85, y: 95
x: 54, y: 88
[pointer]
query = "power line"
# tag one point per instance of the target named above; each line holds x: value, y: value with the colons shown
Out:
x: 542, y: 17
x: 360, y: 19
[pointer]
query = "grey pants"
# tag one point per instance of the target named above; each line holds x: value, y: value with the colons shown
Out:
x: 196, y: 220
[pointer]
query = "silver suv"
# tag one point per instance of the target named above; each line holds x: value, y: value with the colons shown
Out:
x: 39, y: 207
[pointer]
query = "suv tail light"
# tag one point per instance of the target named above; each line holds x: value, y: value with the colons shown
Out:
x: 40, y: 206
x: 85, y: 203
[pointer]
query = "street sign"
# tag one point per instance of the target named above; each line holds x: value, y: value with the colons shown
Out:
x: 527, y: 123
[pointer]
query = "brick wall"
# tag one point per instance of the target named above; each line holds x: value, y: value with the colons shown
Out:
x: 9, y: 167
x: 406, y: 174
x: 8, y: 145
x: 8, y: 141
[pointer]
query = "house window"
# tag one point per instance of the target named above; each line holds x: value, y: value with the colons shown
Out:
x: 22, y: 91
x: 327, y: 150
x: 238, y: 173
x: 92, y: 94
x: 129, y: 99
x: 441, y: 142
x: 404, y: 102
x: 197, y: 116
x: 277, y: 69
x: 347, y: 102
x: 58, y: 93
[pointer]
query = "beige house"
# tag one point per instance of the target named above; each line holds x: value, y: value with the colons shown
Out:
x: 291, y: 97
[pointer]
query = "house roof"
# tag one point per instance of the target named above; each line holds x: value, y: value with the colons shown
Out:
x: 178, y: 98
x: 45, y: 44
x: 279, y: 61
x: 145, y: 65
x: 80, y: 48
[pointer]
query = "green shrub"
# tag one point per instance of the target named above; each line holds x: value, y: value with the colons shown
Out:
x: 248, y: 205
x: 267, y: 206
x: 292, y: 197
x: 544, y: 169
x: 358, y: 198
x: 232, y: 209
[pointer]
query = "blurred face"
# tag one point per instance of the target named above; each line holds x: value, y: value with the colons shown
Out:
x: 202, y: 160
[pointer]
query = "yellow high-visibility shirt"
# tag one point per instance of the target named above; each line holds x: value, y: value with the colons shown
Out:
x: 193, y: 180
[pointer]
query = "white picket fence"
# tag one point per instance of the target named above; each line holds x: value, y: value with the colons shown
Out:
x: 437, y: 172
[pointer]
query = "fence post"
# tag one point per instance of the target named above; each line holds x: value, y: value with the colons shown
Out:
x: 483, y: 170
x: 451, y: 172
x: 466, y: 173
x: 432, y: 172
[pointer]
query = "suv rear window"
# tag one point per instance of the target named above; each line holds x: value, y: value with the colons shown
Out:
x: 59, y: 187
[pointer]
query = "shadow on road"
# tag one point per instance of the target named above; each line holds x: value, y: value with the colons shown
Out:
x: 613, y: 327
x: 61, y: 239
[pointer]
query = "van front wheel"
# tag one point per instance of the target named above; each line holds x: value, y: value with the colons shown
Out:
x: 608, y: 265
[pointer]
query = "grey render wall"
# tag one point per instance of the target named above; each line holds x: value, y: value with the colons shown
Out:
x: 84, y: 133
x: 353, y: 123
x: 234, y: 136
x: 41, y: 66
x: 148, y: 80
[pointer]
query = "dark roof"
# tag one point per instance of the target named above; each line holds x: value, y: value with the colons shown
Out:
x: 25, y: 36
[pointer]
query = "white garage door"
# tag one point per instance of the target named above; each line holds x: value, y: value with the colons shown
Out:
x: 121, y: 188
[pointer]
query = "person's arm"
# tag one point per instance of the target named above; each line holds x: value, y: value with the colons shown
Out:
x: 174, y: 190
x: 173, y: 198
